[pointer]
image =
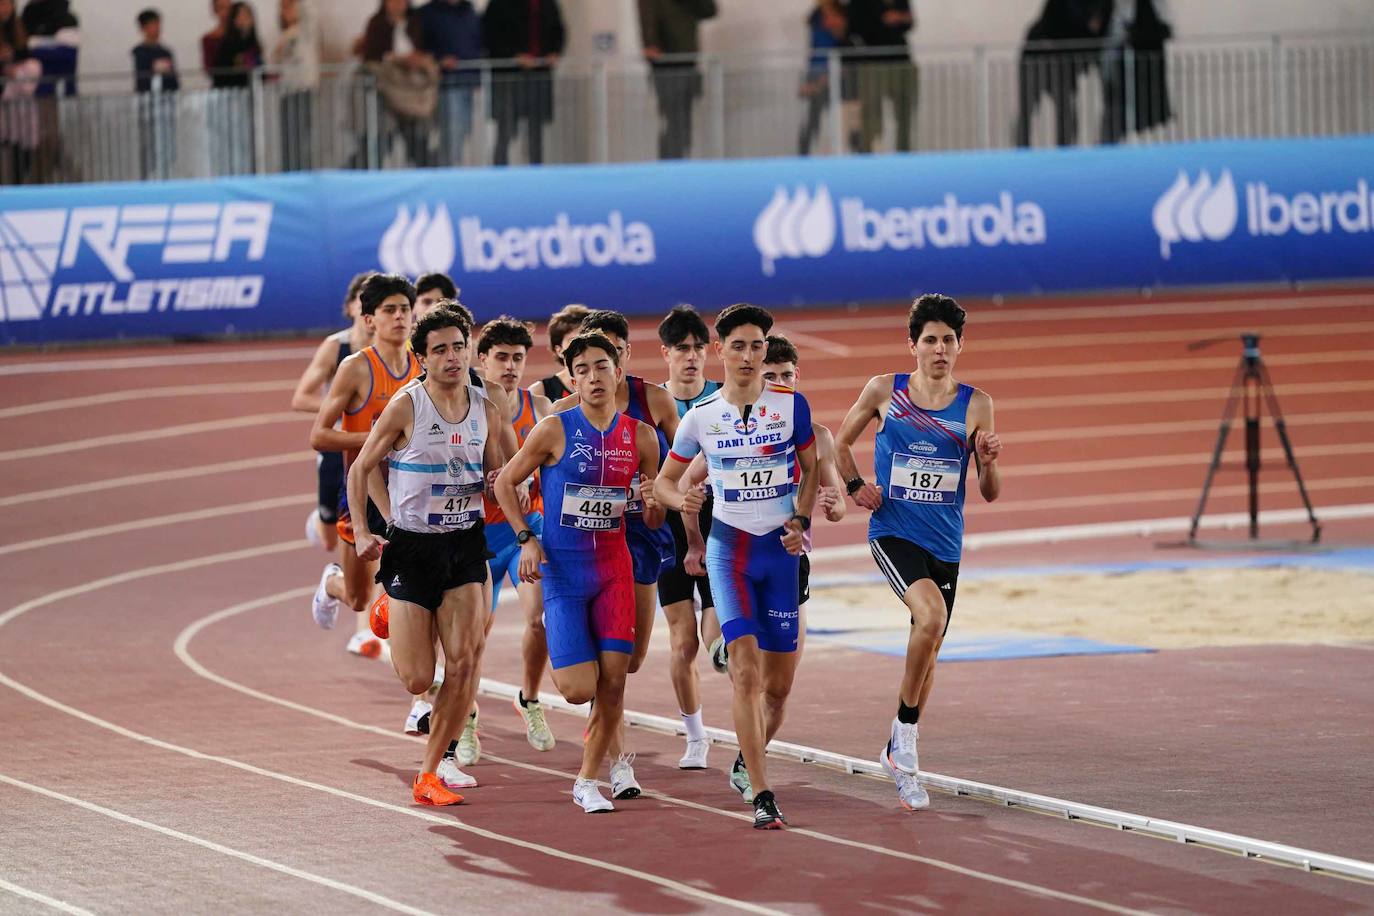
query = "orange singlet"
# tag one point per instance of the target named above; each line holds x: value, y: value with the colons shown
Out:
x: 524, y: 422
x: 382, y: 386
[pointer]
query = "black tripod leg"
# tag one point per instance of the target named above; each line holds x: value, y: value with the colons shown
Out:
x: 1272, y: 399
x: 1227, y: 413
x: 1252, y: 448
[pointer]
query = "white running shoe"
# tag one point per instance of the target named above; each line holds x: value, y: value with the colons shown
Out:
x: 325, y: 608
x: 418, y: 710
x: 901, y: 747
x: 720, y: 656
x: 365, y: 644
x: 451, y: 776
x: 740, y: 782
x: 469, y: 745
x: 910, y: 792
x: 588, y: 795
x: 312, y: 528
x: 695, y: 756
x: 623, y: 783
x: 537, y: 730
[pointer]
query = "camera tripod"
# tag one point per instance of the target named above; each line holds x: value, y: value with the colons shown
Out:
x: 1251, y: 389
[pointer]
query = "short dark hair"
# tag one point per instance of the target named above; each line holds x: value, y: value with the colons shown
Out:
x: 781, y: 350
x: 442, y: 282
x: 147, y: 16
x: 935, y: 307
x: 436, y: 320
x: 355, y: 287
x: 504, y: 331
x: 585, y: 341
x: 606, y: 320
x: 378, y: 287
x: 679, y: 324
x: 742, y: 313
x: 563, y: 322
x: 453, y: 305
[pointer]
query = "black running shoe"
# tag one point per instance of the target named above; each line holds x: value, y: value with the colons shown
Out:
x: 766, y: 813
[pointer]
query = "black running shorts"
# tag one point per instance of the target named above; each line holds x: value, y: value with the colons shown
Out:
x: 905, y: 563
x: 674, y: 584
x: 419, y: 567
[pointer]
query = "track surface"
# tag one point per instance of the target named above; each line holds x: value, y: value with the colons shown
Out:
x: 176, y: 735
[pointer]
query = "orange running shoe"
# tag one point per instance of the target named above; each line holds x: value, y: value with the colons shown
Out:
x: 379, y: 617
x: 429, y: 790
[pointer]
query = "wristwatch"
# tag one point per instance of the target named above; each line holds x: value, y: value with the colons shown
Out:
x: 804, y: 519
x: 853, y: 485
x: 524, y: 536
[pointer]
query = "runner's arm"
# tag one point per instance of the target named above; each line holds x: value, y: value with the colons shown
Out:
x: 830, y: 495
x: 538, y: 450
x: 347, y: 386
x: 494, y: 453
x: 986, y: 446
x: 664, y: 409
x: 308, y: 396
x: 392, y: 427
x: 567, y: 403
x: 863, y: 412
x: 646, y: 441
x: 686, y: 446
x: 806, y: 499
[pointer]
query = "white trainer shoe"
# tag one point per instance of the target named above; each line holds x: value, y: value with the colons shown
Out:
x: 312, y: 529
x: 901, y: 747
x: 695, y: 756
x: 419, y: 709
x: 720, y: 655
x: 324, y: 607
x: 451, y: 776
x: 537, y: 730
x: 910, y: 792
x: 739, y: 780
x: 365, y: 644
x: 587, y: 794
x: 469, y: 745
x: 623, y: 782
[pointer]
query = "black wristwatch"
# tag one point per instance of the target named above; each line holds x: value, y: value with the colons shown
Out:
x: 853, y: 485
x: 804, y: 519
x: 524, y: 536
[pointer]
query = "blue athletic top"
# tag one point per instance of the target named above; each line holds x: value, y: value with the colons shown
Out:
x: 710, y: 388
x: 640, y: 410
x: 585, y: 491
x: 921, y: 460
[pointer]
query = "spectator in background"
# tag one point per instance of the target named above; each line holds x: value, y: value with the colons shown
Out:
x: 154, y: 65
x: 155, y: 72
x: 240, y: 53
x: 1144, y: 27
x: 829, y: 31
x: 453, y: 34
x: 394, y: 46
x: 210, y: 41
x: 670, y: 27
x: 531, y: 31
x: 54, y: 40
x: 297, y: 53
x: 889, y: 74
x: 1055, y: 71
x: 19, y: 74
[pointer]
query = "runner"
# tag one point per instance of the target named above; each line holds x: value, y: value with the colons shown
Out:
x: 562, y: 323
x: 432, y: 291
x: 754, y: 437
x: 588, y: 458
x: 437, y: 439
x: 361, y: 390
x: 929, y: 425
x: 502, y: 347
x: 683, y: 339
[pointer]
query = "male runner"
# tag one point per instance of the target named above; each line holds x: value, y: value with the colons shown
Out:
x: 437, y: 438
x: 753, y: 436
x: 502, y: 347
x: 309, y: 394
x: 588, y: 458
x: 562, y: 323
x: 929, y: 425
x: 362, y: 388
x: 683, y: 339
x: 433, y: 290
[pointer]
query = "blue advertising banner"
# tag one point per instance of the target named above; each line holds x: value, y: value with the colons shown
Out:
x: 275, y: 253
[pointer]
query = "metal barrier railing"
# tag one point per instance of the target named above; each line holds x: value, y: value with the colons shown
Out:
x: 706, y: 107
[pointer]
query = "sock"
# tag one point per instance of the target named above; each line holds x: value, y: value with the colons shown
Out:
x: 908, y: 715
x: 524, y: 703
x: 695, y: 730
x: 452, y: 749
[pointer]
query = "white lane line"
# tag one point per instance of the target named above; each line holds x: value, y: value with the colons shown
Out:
x: 220, y: 848
x: 1195, y: 460
x: 161, y: 432
x: 157, y: 477
x: 158, y: 521
x: 1095, y: 500
x: 143, y: 394
x: 1144, y: 527
x: 43, y: 899
x: 295, y: 354
x: 452, y: 822
x: 812, y: 342
x: 182, y: 649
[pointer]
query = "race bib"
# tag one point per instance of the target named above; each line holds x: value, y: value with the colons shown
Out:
x: 589, y: 508
x: 454, y: 505
x: 635, y: 504
x: 754, y: 477
x: 920, y: 479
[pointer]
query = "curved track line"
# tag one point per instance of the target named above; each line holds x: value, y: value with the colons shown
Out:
x: 181, y: 648
x: 43, y: 899
x: 330, y: 883
x: 133, y: 480
x: 161, y: 432
x: 140, y: 394
x: 213, y: 559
